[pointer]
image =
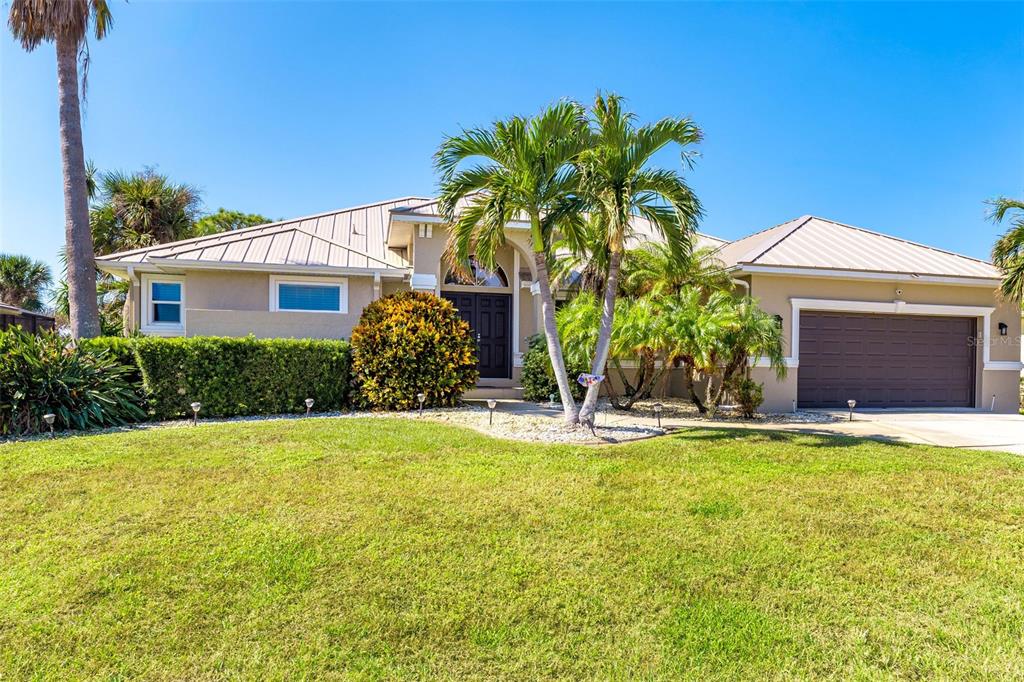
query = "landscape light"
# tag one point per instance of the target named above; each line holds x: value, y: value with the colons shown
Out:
x: 657, y: 413
x: 422, y: 397
x: 309, y: 406
x: 491, y: 404
x: 551, y: 400
x: 49, y: 418
x: 851, y: 404
x: 195, y: 412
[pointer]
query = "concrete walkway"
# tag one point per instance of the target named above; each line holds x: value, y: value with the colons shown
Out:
x: 961, y: 428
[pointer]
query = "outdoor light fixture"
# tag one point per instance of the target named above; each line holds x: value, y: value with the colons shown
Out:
x: 422, y: 397
x: 491, y: 404
x: 49, y: 417
x: 852, y: 404
x: 778, y: 319
x: 551, y: 400
x: 195, y: 413
x: 657, y: 413
x: 309, y: 406
x: 1003, y: 329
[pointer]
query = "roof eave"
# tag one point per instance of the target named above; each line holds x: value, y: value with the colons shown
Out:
x: 864, y: 275
x: 171, y: 264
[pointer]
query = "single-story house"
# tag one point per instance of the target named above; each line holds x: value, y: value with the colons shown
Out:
x: 866, y: 316
x: 29, y: 320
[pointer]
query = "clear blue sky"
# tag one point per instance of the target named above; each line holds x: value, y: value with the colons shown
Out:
x: 901, y: 118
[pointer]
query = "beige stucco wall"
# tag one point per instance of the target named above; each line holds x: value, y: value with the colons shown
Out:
x: 775, y: 293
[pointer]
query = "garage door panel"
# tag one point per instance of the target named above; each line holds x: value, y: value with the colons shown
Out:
x: 885, y: 360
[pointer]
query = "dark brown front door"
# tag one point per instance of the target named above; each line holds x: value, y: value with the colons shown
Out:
x: 490, y: 320
x: 885, y: 360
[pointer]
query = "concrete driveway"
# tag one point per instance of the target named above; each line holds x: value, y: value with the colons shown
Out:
x: 973, y: 429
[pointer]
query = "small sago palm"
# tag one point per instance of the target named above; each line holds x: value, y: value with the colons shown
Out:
x: 618, y: 183
x: 66, y: 23
x: 523, y: 170
x: 22, y: 281
x: 1008, y: 252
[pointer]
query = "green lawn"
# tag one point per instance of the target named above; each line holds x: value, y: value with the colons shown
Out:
x: 389, y: 548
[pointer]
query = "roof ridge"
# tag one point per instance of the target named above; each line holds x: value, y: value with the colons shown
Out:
x: 247, y: 230
x: 799, y: 222
x: 901, y: 239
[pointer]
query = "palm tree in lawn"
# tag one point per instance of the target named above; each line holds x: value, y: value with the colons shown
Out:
x: 524, y: 170
x: 66, y: 23
x: 22, y: 281
x: 1008, y: 252
x: 618, y: 183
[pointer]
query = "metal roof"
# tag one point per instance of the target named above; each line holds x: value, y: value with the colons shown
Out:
x: 348, y: 238
x: 812, y: 242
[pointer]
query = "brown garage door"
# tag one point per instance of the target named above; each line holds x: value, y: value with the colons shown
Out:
x: 885, y: 360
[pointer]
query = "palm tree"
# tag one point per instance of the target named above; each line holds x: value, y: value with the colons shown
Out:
x: 699, y: 327
x: 618, y: 184
x: 524, y: 172
x: 22, y: 281
x: 1008, y: 252
x: 661, y: 268
x: 66, y: 24
x: 141, y: 209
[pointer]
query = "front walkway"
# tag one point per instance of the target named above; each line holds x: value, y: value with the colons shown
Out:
x: 972, y: 429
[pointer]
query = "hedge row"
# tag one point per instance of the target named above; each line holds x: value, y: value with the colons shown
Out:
x: 236, y: 376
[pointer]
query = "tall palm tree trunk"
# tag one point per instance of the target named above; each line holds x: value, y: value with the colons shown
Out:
x: 551, y: 336
x: 604, y: 336
x: 84, y: 317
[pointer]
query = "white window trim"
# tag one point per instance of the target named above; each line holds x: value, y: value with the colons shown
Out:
x: 340, y: 282
x: 148, y: 326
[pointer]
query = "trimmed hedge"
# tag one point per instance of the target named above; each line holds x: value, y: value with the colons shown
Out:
x: 242, y: 376
x: 408, y: 343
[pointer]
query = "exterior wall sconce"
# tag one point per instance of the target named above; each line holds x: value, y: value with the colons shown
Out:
x: 778, y: 319
x: 1003, y: 329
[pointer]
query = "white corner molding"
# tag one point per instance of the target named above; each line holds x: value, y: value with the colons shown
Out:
x: 889, y: 308
x: 1004, y: 366
x: 422, y: 281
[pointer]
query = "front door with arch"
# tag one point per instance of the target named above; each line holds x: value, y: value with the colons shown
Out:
x: 489, y: 314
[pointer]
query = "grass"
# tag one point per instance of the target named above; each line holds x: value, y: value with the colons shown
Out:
x: 371, y: 548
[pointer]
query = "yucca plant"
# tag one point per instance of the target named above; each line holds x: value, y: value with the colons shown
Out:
x: 45, y: 373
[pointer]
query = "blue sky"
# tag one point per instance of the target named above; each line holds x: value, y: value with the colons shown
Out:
x: 900, y: 118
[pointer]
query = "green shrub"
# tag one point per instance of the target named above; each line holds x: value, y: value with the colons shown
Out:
x: 538, y: 377
x: 408, y: 343
x: 242, y: 376
x: 122, y: 350
x: 83, y: 388
x: 749, y: 395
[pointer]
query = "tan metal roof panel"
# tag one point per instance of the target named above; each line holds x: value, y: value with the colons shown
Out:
x: 811, y: 242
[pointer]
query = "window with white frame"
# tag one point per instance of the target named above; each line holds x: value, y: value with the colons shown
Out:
x: 163, y: 299
x: 308, y: 294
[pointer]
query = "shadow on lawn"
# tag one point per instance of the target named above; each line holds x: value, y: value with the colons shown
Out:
x: 803, y: 437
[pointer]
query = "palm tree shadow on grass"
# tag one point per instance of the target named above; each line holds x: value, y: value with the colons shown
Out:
x: 808, y: 438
